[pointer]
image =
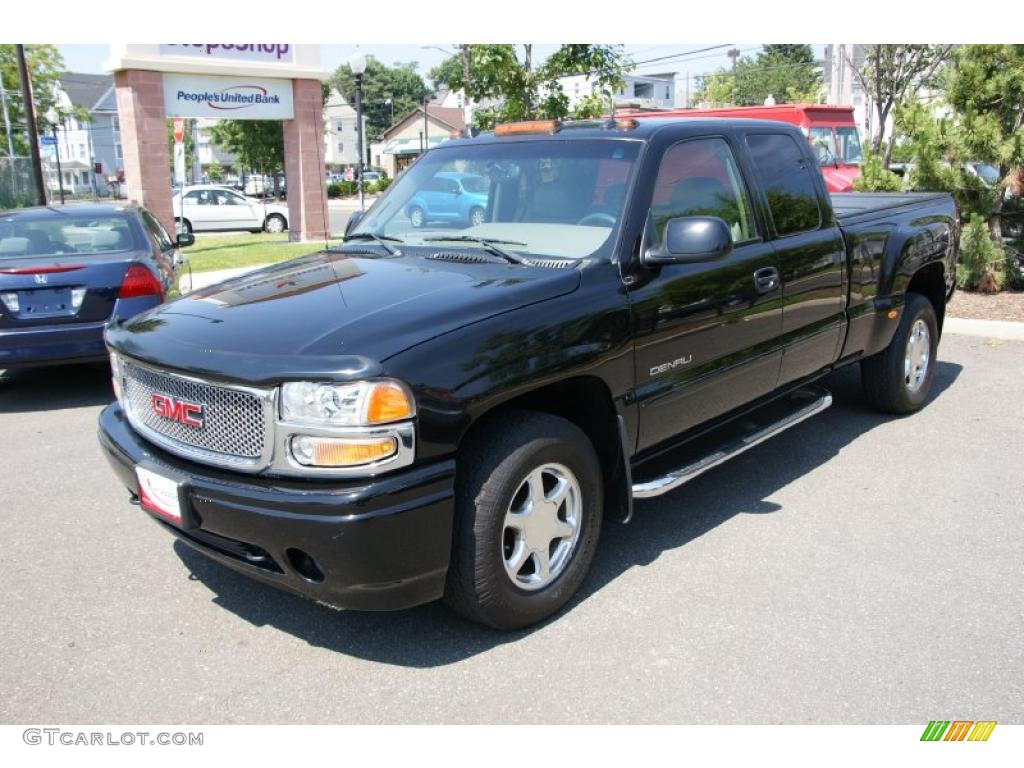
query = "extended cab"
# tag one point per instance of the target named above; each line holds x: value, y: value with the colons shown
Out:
x: 440, y: 410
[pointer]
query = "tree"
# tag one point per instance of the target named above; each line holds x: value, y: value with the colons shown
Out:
x: 985, y: 88
x: 525, y: 89
x: 400, y: 83
x: 215, y: 171
x: 786, y: 72
x: 891, y: 74
x: 45, y: 65
x: 257, y: 144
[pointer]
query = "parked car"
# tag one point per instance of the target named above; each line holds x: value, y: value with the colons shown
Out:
x: 449, y: 197
x: 212, y: 208
x: 428, y: 412
x: 372, y: 176
x: 66, y: 273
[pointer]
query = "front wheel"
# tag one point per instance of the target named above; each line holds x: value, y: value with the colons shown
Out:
x: 528, y: 517
x: 416, y: 217
x: 476, y: 217
x: 897, y: 379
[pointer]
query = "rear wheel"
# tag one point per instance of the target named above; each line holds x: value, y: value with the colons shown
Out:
x: 476, y: 217
x: 528, y: 517
x: 275, y: 223
x: 898, y: 379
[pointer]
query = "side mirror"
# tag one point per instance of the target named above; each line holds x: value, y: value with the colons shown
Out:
x: 353, y: 222
x: 186, y: 239
x: 691, y: 239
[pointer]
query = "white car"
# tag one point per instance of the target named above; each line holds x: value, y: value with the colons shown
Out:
x: 210, y: 208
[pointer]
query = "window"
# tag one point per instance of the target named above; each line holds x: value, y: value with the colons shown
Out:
x: 849, y: 145
x: 81, y: 151
x: 786, y: 178
x: 341, y: 147
x: 156, y: 229
x: 821, y: 143
x: 66, y: 233
x: 700, y: 178
x: 197, y: 198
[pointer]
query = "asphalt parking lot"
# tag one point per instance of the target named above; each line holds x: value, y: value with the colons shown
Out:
x: 856, y: 569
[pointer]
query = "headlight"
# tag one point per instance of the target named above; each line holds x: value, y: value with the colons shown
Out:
x: 360, y: 404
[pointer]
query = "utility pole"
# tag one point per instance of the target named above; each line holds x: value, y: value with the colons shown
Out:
x: 30, y: 121
x: 60, y: 176
x: 734, y: 54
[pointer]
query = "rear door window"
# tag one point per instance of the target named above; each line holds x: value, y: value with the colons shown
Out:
x: 785, y: 176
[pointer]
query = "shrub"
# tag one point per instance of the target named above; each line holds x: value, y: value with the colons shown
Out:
x: 979, y: 256
x: 383, y: 184
x: 875, y: 177
x: 1013, y: 277
x: 334, y: 189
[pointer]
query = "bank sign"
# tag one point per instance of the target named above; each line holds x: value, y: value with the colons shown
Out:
x: 272, y: 53
x: 236, y: 98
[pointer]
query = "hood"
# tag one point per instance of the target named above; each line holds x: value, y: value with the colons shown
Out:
x: 329, y: 315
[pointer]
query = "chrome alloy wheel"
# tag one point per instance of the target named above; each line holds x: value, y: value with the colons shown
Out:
x: 917, y: 356
x: 542, y: 526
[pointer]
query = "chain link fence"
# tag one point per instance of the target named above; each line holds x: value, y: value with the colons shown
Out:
x: 17, y: 183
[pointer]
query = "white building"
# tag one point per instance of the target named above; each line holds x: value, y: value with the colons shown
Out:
x: 340, y: 135
x: 842, y: 60
x: 639, y: 91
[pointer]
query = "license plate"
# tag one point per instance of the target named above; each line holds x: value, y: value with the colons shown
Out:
x: 45, y: 301
x: 159, y: 495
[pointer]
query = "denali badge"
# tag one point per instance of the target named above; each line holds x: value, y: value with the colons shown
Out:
x: 669, y: 366
x: 181, y: 411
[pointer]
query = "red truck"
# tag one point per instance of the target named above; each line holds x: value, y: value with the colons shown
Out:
x: 831, y: 130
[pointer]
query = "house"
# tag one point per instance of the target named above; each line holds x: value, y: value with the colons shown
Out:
x: 88, y: 139
x: 414, y: 133
x: 655, y: 91
x: 340, y: 134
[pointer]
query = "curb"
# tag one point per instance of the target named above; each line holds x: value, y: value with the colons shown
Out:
x: 990, y: 329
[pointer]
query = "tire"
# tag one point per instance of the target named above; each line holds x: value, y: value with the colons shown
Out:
x: 897, y: 379
x: 502, y: 460
x: 184, y: 226
x: 417, y: 217
x: 476, y: 217
x: 275, y: 224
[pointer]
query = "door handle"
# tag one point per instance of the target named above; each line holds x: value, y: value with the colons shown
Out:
x: 766, y: 279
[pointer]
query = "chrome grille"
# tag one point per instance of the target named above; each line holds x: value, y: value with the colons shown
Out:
x: 234, y: 422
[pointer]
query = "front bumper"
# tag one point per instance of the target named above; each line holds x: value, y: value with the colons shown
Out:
x: 378, y: 544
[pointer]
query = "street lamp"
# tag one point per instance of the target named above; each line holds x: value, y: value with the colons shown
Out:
x: 357, y: 63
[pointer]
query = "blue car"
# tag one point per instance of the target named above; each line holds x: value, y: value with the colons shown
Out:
x: 449, y: 197
x: 66, y: 273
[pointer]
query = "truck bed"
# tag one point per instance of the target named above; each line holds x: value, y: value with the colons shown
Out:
x: 856, y: 207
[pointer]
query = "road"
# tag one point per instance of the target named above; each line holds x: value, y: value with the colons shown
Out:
x: 856, y: 569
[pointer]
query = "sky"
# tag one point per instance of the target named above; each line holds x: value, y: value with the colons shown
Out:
x: 90, y: 58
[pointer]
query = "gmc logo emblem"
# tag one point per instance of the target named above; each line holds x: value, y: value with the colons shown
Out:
x: 181, y: 411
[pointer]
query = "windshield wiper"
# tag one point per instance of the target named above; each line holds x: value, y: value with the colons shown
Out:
x: 486, y: 242
x: 379, y: 239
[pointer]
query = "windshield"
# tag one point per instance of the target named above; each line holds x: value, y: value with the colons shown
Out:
x: 63, y: 234
x: 849, y: 145
x: 821, y: 143
x: 551, y: 198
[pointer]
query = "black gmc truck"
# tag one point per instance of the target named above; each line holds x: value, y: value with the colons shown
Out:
x: 531, y: 329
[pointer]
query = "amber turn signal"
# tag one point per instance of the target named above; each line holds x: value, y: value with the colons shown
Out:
x: 387, y: 402
x: 341, y: 452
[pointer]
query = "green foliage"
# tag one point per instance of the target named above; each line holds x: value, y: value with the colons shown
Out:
x: 258, y: 144
x: 399, y: 83
x: 875, y: 176
x: 215, y: 171
x: 384, y: 183
x: 1012, y: 275
x: 343, y: 189
x: 525, y: 90
x: 788, y: 73
x: 44, y: 65
x: 979, y: 254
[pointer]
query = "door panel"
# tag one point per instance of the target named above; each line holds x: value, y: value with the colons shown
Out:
x: 706, y: 333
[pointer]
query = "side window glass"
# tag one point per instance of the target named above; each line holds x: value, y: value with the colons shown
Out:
x: 192, y: 198
x: 157, y: 230
x: 701, y: 178
x: 786, y: 178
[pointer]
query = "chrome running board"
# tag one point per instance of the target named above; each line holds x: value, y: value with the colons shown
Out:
x: 820, y: 399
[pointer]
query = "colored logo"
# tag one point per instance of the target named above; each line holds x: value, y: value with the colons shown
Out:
x: 181, y: 411
x: 958, y: 730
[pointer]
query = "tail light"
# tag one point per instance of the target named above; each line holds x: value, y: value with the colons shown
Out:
x: 139, y: 281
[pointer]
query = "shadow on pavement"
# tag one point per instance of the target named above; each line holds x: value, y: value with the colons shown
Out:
x: 55, y: 387
x: 431, y: 636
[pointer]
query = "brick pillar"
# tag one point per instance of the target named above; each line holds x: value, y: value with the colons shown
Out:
x: 304, y: 164
x: 140, y: 110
